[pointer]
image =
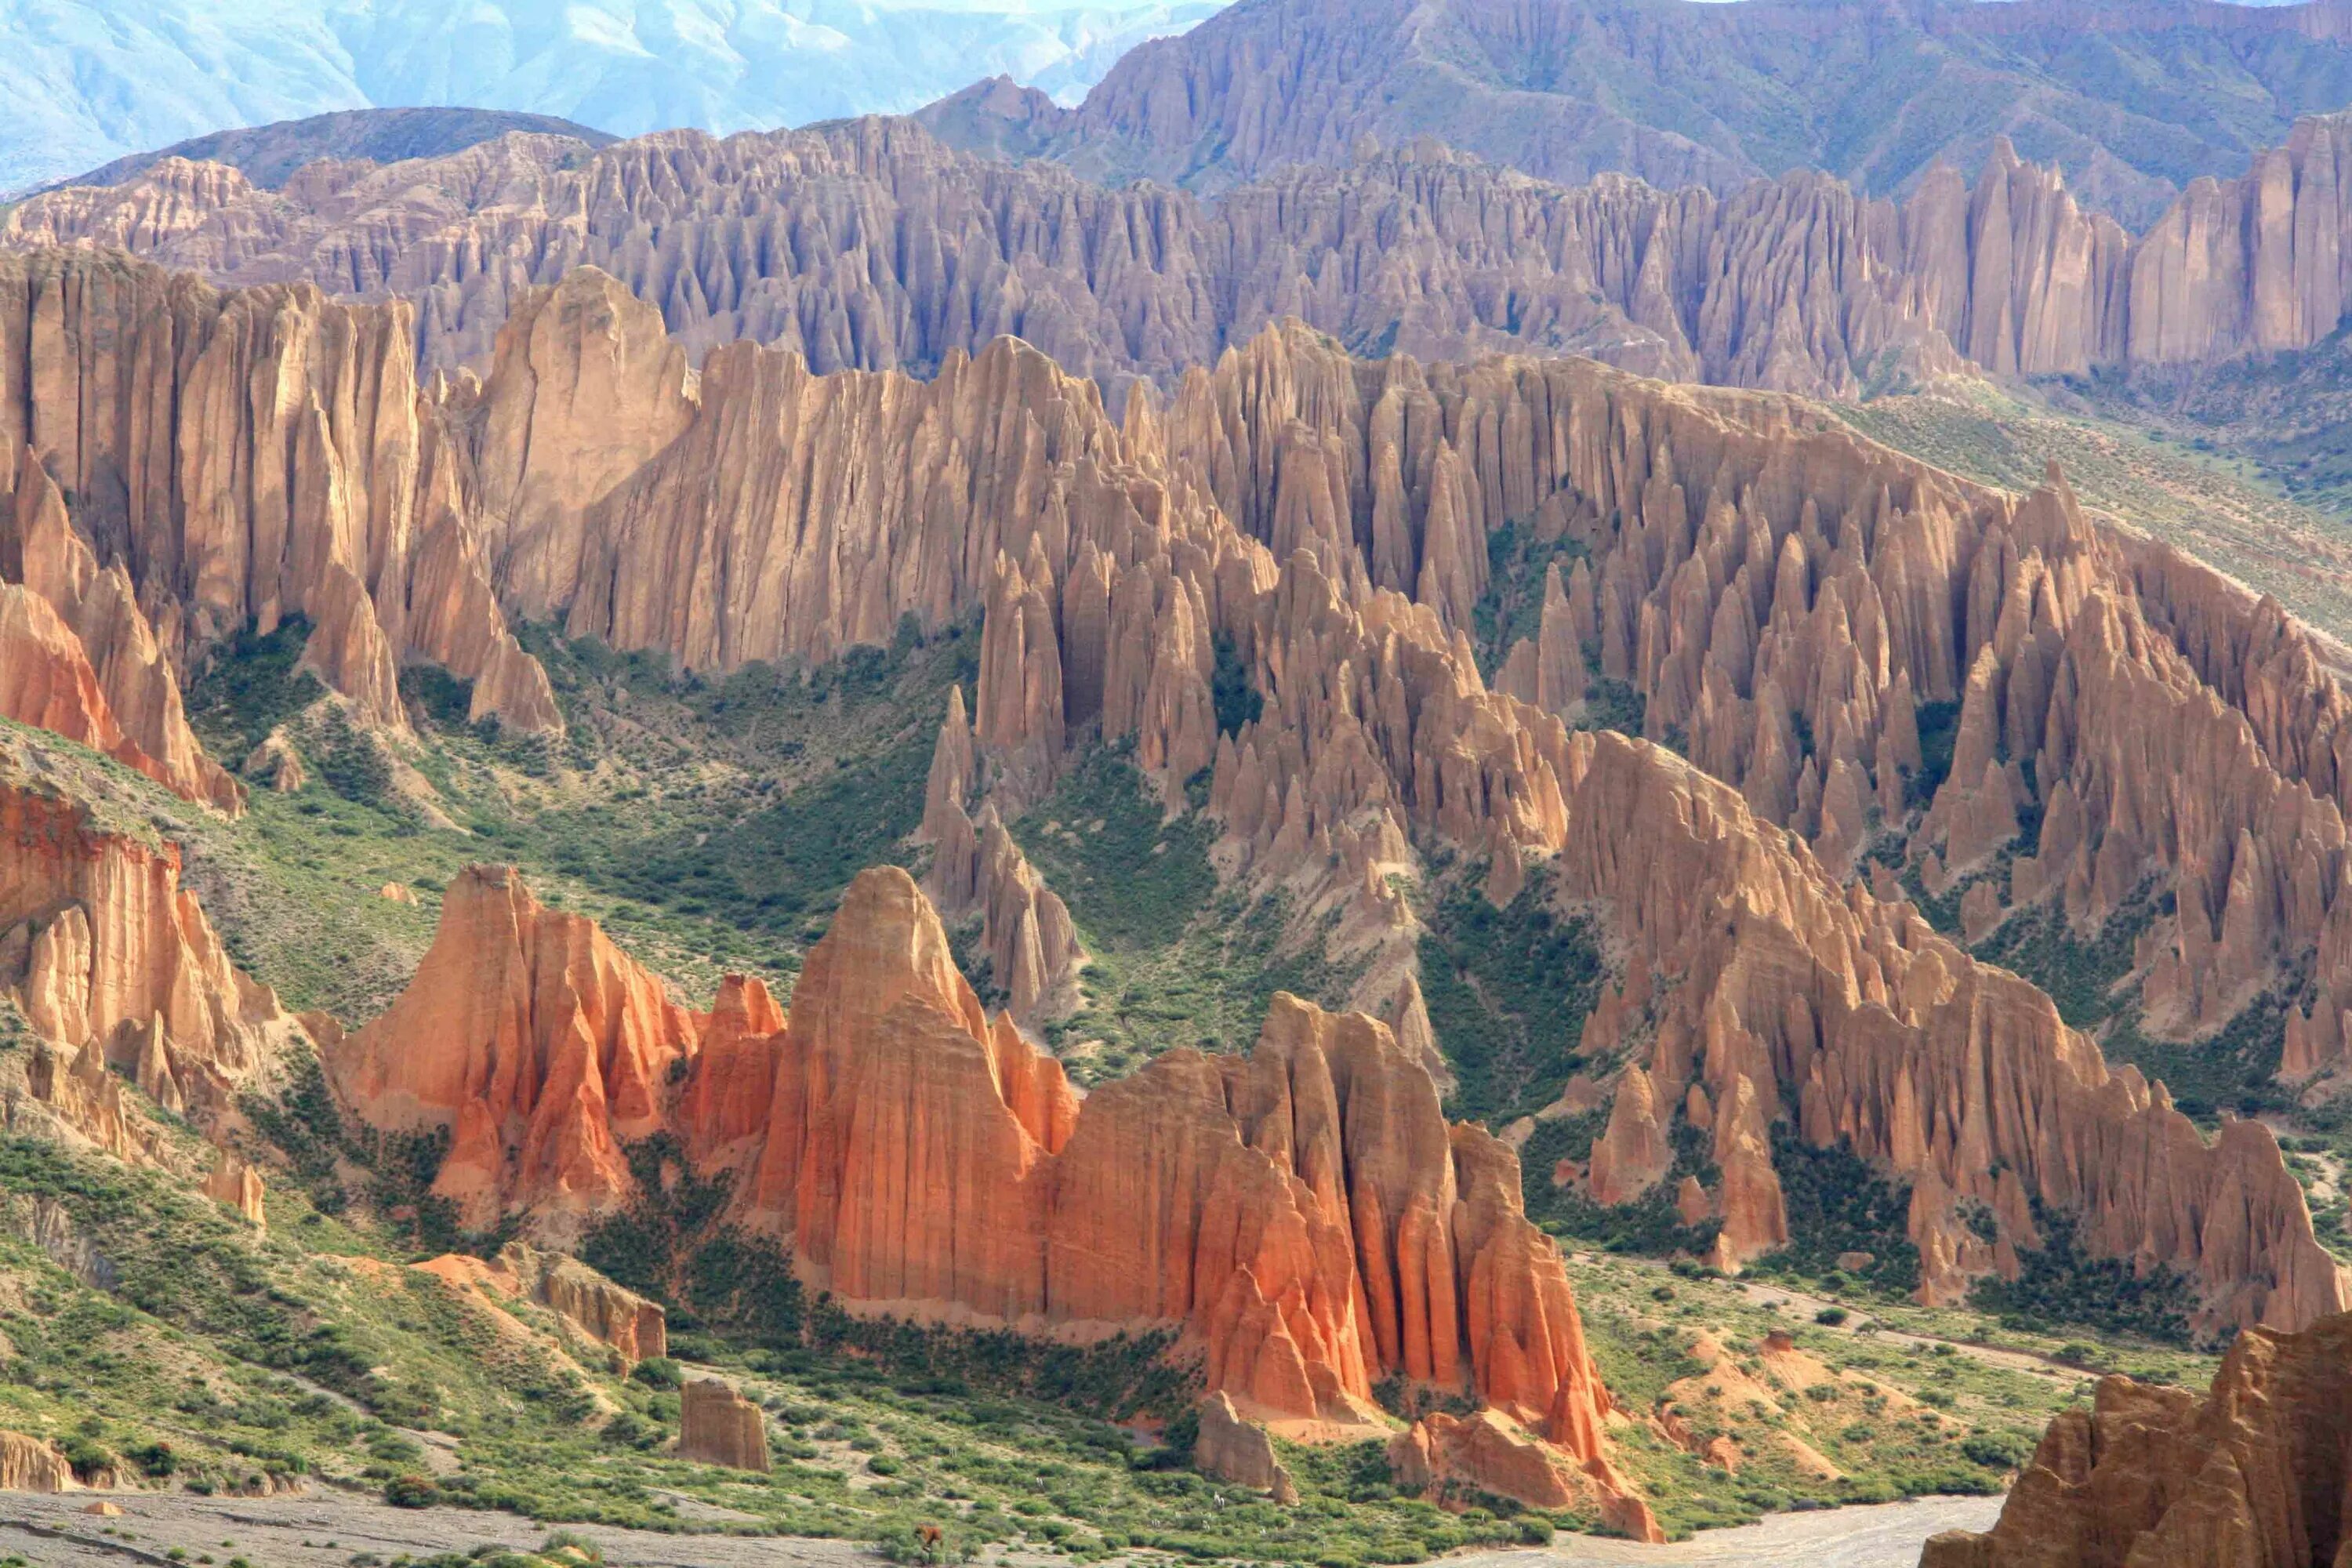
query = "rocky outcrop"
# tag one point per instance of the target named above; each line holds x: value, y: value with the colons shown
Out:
x: 1233, y: 1449
x: 719, y: 1426
x: 1441, y: 1457
x: 638, y: 1328
x: 587, y: 1303
x: 32, y: 1465
x: 2252, y: 1475
x: 289, y: 475
x: 115, y: 966
x: 70, y: 618
x: 1305, y: 1216
x: 236, y: 1186
x: 536, y: 1042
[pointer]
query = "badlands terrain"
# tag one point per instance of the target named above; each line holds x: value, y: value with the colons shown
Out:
x: 1330, y: 812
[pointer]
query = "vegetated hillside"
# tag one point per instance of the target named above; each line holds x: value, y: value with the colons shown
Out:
x: 2134, y: 100
x: 268, y: 154
x: 86, y: 81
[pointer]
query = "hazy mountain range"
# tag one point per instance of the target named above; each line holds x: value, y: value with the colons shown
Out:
x: 86, y: 81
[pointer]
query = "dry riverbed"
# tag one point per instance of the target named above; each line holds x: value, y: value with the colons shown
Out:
x: 328, y: 1530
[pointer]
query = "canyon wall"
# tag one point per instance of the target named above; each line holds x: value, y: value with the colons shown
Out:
x: 2254, y: 1474
x: 121, y: 978
x: 1785, y: 599
x: 237, y: 458
x: 1304, y: 1215
x: 869, y: 245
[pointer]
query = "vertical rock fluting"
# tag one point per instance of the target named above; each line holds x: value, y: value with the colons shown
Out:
x: 243, y: 457
x: 117, y: 969
x: 1305, y: 1216
x: 2255, y: 1474
x: 133, y: 712
x: 537, y: 1043
x: 719, y: 1426
x: 1797, y: 284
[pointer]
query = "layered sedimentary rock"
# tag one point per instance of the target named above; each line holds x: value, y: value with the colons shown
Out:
x: 236, y: 460
x: 1305, y: 1216
x: 719, y: 1426
x: 67, y: 613
x: 2252, y: 1475
x: 120, y: 976
x: 540, y: 1045
x: 1795, y: 283
x: 33, y: 1465
x: 236, y: 1186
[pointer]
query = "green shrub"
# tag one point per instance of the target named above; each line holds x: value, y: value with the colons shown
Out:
x: 412, y: 1491
x: 658, y: 1372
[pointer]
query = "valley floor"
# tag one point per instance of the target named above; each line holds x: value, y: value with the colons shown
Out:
x: 331, y: 1530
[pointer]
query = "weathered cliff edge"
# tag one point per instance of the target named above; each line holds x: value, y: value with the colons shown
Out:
x: 1796, y: 284
x: 117, y: 970
x: 2255, y: 1474
x: 1304, y: 1214
x: 187, y: 464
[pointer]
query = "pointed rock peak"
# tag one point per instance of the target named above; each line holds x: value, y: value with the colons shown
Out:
x: 885, y: 942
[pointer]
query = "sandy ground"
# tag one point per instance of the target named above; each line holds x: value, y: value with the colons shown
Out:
x: 1888, y: 1535
x: 326, y: 1530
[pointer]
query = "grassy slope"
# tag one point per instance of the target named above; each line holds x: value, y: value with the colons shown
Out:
x: 2214, y: 503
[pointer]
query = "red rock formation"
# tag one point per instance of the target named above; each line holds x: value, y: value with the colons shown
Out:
x: 1305, y: 1216
x: 2254, y: 1475
x: 236, y: 1185
x: 534, y: 1040
x: 1486, y: 1454
x: 114, y: 964
x: 605, y: 1312
x: 323, y: 497
x: 1233, y: 1449
x: 132, y: 709
x: 719, y: 1426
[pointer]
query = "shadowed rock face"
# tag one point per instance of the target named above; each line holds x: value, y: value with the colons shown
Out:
x: 1304, y: 1215
x: 1794, y: 284
x: 2254, y: 1475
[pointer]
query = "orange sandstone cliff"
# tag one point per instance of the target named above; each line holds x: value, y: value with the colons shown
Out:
x: 121, y: 978
x: 2255, y: 1474
x: 1304, y: 1215
x: 238, y: 458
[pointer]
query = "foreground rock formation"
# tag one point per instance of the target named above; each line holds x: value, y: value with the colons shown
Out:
x: 1305, y: 1216
x: 82, y: 657
x: 2255, y: 1474
x: 719, y: 1426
